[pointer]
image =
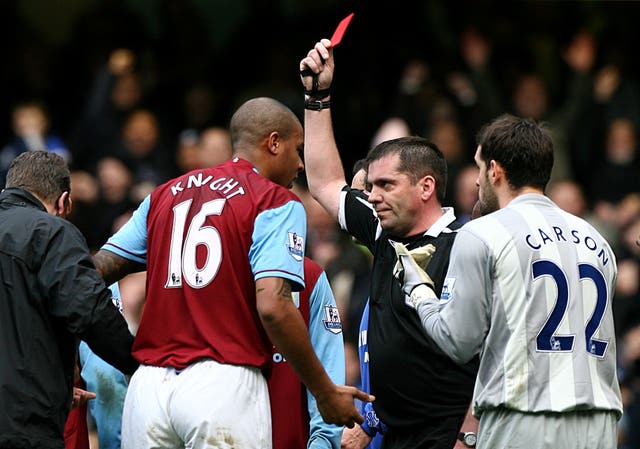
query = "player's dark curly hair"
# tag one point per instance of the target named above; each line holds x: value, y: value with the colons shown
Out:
x: 522, y: 147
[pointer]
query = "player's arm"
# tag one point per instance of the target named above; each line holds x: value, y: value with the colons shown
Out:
x: 287, y: 330
x: 325, y: 173
x: 113, y: 267
x: 459, y: 325
x: 470, y: 424
x: 126, y: 251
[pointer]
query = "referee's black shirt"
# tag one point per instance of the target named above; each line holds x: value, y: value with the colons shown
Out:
x: 414, y: 383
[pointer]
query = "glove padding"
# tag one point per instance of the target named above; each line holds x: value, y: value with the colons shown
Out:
x: 410, y: 270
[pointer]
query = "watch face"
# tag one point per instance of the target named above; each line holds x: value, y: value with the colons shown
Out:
x: 470, y: 439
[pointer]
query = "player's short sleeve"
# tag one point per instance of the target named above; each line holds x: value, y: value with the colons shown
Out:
x: 130, y: 241
x: 325, y: 332
x: 358, y: 217
x: 278, y: 241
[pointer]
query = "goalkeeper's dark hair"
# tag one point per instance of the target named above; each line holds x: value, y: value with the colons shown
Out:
x: 522, y: 147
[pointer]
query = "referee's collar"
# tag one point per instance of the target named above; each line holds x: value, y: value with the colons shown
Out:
x: 442, y: 224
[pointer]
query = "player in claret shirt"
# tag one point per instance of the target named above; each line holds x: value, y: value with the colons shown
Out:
x: 224, y: 249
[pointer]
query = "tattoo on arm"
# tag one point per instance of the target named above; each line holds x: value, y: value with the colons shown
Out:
x: 285, y: 290
x: 112, y: 267
x: 282, y: 289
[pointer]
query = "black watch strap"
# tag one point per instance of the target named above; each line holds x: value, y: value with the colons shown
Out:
x: 316, y: 105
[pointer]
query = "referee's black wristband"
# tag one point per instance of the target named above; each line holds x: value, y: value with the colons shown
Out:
x: 316, y: 105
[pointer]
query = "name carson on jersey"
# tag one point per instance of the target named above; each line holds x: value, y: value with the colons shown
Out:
x: 561, y: 235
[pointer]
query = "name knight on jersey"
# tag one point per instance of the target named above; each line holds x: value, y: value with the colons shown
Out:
x: 541, y: 238
x: 228, y: 186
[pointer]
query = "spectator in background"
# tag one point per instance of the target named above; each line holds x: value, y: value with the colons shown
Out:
x: 214, y: 147
x: 419, y: 98
x: 448, y: 136
x: 531, y: 100
x: 478, y: 98
x: 188, y: 151
x: 30, y: 123
x: 142, y: 148
x: 570, y: 197
x: 466, y: 193
x: 391, y: 128
x: 200, y: 106
x: 115, y: 93
x: 102, y: 199
x: 616, y: 188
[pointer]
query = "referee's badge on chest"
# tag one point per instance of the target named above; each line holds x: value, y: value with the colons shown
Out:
x: 447, y: 290
x: 332, y: 322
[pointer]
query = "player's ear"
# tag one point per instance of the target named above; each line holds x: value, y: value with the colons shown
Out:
x: 273, y: 142
x: 495, y: 171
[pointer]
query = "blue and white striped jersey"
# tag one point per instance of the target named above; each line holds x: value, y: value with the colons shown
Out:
x: 529, y: 288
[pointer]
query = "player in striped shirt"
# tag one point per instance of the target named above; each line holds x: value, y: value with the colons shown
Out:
x: 529, y: 289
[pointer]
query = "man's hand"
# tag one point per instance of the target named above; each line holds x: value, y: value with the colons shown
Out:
x: 410, y: 271
x: 354, y: 438
x: 80, y: 397
x: 319, y: 61
x: 336, y: 406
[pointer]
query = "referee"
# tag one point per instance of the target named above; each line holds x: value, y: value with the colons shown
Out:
x: 421, y: 395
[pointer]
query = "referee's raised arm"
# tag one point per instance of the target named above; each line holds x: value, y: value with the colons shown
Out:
x: 325, y: 173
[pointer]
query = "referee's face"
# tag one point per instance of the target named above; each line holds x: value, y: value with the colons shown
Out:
x: 396, y: 200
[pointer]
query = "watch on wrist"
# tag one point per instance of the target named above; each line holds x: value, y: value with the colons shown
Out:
x: 468, y: 438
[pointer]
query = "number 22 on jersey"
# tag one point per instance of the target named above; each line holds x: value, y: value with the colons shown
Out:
x: 182, y: 253
x: 547, y: 339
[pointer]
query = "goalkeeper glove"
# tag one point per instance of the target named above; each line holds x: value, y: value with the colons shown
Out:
x: 417, y: 285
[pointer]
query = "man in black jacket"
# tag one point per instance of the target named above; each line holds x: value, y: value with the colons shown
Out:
x: 50, y: 295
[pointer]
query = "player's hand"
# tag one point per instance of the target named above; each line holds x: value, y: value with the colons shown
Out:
x: 354, y: 438
x: 409, y: 269
x: 320, y: 62
x: 337, y: 407
x: 80, y: 397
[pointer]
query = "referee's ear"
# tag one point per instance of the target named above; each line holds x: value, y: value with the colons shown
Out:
x: 428, y: 187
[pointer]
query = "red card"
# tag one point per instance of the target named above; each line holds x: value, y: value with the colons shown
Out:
x: 339, y: 32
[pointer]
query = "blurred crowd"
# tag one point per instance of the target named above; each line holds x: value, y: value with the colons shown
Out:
x: 144, y: 108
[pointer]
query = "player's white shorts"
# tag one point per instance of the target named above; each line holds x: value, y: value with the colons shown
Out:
x: 509, y: 429
x: 207, y: 405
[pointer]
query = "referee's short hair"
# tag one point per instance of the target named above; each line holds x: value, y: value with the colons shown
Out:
x: 419, y: 157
